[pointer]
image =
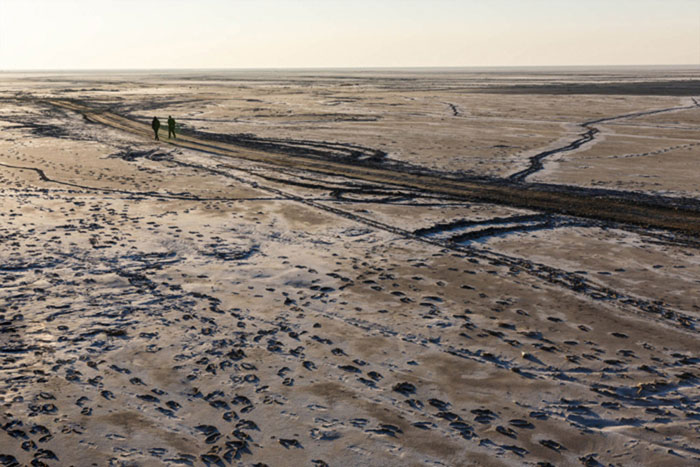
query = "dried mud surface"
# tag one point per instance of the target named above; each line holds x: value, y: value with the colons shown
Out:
x: 225, y: 301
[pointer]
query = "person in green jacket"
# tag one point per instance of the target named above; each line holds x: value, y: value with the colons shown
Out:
x: 155, y: 124
x: 171, y: 126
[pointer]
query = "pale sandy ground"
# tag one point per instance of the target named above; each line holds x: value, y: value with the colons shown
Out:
x: 161, y: 306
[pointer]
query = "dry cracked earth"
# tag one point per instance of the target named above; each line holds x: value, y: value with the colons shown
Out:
x: 163, y: 305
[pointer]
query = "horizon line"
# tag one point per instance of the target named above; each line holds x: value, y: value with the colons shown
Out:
x: 353, y: 68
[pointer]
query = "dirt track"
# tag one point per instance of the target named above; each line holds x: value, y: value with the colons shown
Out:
x: 617, y: 206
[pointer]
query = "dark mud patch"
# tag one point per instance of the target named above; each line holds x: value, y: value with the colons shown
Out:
x: 226, y: 253
x: 462, y: 223
x: 501, y: 231
x: 679, y: 88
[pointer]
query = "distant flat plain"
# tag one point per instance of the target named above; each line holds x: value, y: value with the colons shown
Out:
x: 280, y: 284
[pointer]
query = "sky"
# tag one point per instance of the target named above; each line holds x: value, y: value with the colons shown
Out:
x: 176, y: 34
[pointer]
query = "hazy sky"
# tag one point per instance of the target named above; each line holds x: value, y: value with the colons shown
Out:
x: 79, y: 34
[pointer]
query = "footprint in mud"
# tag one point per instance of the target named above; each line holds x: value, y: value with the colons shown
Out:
x: 440, y: 405
x: 517, y: 450
x: 415, y: 403
x: 350, y: 368
x: 404, y: 388
x: 9, y: 460
x: 324, y: 435
x: 385, y: 429
x: 424, y: 425
x: 211, y: 459
x: 211, y: 433
x: 465, y: 430
x: 507, y: 431
x: 309, y: 365
x: 553, y: 445
x: 290, y: 443
x: 484, y: 416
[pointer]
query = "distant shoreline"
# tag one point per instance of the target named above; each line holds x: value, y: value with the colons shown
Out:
x: 418, y: 69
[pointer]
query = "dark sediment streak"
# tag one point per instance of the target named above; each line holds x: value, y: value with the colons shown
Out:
x: 586, y: 137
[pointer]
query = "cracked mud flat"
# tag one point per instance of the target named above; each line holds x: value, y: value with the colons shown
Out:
x: 165, y: 305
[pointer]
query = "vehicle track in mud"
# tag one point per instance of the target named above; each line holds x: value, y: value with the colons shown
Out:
x: 303, y: 148
x: 586, y: 137
x: 645, y: 210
